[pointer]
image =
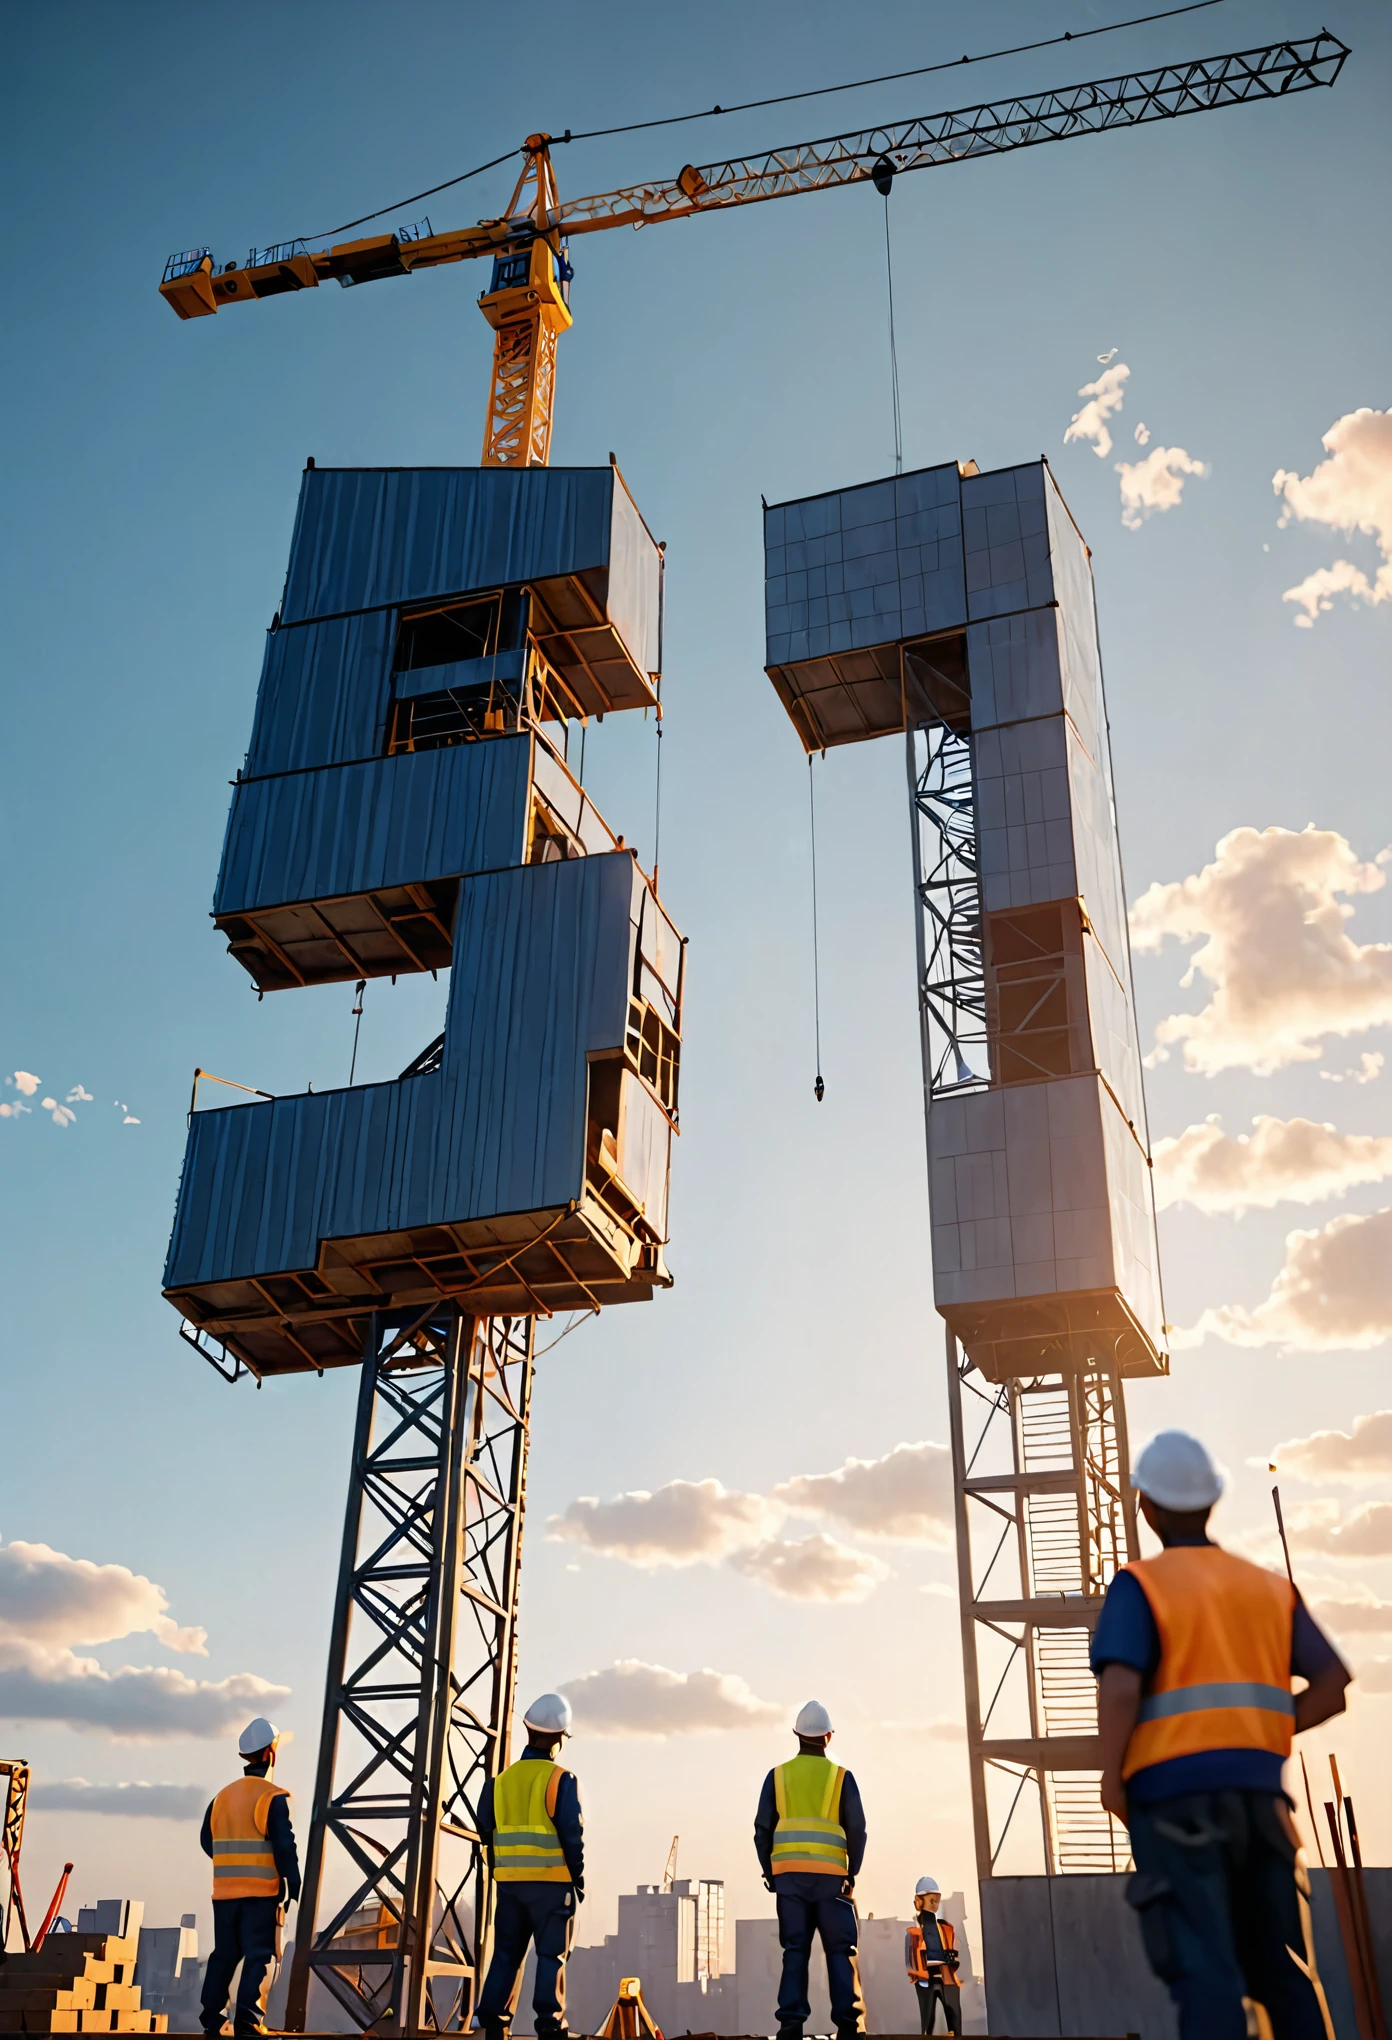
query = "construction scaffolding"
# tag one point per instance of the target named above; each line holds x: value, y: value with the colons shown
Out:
x: 1044, y: 1520
x: 422, y: 1668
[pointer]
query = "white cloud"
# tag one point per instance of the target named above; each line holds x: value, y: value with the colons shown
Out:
x: 47, y: 1597
x: 815, y: 1568
x: 77, y: 1096
x: 128, y: 1121
x: 138, y: 1799
x: 686, y: 1522
x: 1142, y: 435
x: 1105, y: 396
x: 1361, y: 1614
x: 1110, y: 355
x: 1364, y: 1453
x: 132, y: 1704
x: 26, y: 1081
x: 631, y: 1698
x: 906, y: 1495
x: 1351, y: 491
x: 1334, y: 1532
x: 1281, y: 1160
x: 1333, y: 1294
x: 1155, y: 483
x: 1283, y: 967
x: 1368, y: 1071
x: 8, y: 1111
x: 63, y: 1115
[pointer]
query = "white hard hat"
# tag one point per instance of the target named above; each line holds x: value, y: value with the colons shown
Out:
x: 813, y: 1720
x: 1177, y: 1473
x: 258, y: 1735
x: 926, y: 1884
x: 550, y: 1714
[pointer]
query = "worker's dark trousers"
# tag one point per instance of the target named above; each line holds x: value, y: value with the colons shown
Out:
x: 809, y: 1904
x: 1215, y: 1891
x: 939, y: 1992
x: 244, y: 1930
x: 525, y: 1912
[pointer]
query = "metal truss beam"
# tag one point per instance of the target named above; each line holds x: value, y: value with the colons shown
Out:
x: 1037, y: 1545
x: 947, y: 889
x: 1273, y: 71
x: 418, y: 1700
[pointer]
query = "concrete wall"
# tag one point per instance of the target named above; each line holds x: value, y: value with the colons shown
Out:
x: 1063, y: 1956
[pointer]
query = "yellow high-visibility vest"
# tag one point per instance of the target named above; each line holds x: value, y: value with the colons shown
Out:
x: 809, y: 1834
x: 526, y: 1846
x: 243, y: 1860
x: 1224, y: 1678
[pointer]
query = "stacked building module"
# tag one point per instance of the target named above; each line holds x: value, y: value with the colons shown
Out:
x: 406, y: 805
x: 956, y: 608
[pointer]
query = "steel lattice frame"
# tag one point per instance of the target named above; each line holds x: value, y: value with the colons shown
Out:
x: 1055, y: 1502
x: 947, y: 888
x: 418, y: 1701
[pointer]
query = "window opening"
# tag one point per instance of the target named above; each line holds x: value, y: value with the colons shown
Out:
x: 462, y: 630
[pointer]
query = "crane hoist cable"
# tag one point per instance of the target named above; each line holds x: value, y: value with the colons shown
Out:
x: 819, y: 1088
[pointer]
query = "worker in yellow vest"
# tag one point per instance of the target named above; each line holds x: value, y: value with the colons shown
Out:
x: 529, y: 1821
x: 809, y: 1834
x: 1195, y: 1651
x: 931, y: 1959
x: 256, y: 1871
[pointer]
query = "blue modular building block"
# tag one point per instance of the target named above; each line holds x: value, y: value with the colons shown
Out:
x: 403, y: 808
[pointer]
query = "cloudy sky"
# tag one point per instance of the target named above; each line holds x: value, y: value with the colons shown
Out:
x: 738, y: 1494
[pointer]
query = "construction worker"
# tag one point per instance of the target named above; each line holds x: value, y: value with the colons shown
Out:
x: 529, y: 1821
x: 1194, y: 1651
x: 809, y: 1835
x: 256, y: 1872
x: 931, y: 1958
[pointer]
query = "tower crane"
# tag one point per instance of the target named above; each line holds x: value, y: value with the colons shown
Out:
x: 527, y: 302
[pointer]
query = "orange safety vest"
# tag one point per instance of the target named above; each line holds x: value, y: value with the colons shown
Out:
x: 920, y: 1970
x: 243, y: 1860
x: 1223, y: 1682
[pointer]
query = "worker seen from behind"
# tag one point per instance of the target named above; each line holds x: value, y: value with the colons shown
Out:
x: 931, y: 1958
x: 809, y: 1834
x: 1195, y: 1651
x: 529, y: 1821
x: 256, y: 1872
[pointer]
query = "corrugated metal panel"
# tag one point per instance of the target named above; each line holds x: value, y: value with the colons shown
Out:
x: 324, y: 694
x: 543, y: 965
x: 635, y: 583
x: 359, y: 828
x: 367, y: 536
x: 1005, y: 541
x: 865, y: 566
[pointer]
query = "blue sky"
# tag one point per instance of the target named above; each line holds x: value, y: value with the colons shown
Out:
x: 154, y: 468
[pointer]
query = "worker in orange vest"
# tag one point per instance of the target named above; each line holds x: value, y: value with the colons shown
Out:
x: 256, y: 1870
x: 931, y: 1958
x: 1195, y: 1651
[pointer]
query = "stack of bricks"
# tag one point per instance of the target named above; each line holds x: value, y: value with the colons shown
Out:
x: 76, y: 1983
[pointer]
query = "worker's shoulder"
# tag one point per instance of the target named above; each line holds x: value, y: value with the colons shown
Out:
x: 1209, y: 1562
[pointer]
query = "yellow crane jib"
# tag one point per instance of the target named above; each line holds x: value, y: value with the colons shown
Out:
x: 527, y: 303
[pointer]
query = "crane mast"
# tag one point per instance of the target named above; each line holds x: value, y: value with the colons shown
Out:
x: 527, y: 302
